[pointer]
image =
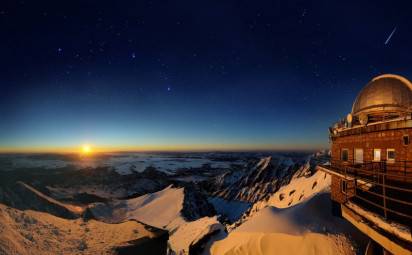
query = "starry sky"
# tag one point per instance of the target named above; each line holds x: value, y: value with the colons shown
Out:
x: 190, y: 75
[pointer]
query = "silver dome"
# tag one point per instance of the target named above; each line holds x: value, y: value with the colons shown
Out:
x: 385, y: 93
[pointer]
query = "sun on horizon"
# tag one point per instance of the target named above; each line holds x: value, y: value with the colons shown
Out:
x: 86, y: 149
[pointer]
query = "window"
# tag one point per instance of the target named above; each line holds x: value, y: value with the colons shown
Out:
x: 376, y: 154
x: 359, y: 156
x: 345, y: 155
x: 343, y: 186
x: 406, y: 140
x: 390, y: 155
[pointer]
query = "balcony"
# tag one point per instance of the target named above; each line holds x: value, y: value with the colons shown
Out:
x: 382, y: 188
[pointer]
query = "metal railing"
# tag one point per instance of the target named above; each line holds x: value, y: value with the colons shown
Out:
x: 383, y: 187
x: 401, y: 170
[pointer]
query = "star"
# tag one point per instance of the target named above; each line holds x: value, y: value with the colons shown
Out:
x: 342, y: 58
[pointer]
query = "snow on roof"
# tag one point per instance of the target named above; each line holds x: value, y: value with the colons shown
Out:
x: 391, y: 227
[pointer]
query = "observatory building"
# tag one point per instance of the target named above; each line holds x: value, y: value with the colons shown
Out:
x: 371, y: 165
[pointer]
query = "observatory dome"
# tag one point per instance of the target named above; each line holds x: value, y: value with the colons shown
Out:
x: 384, y: 93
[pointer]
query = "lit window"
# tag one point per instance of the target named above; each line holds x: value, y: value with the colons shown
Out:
x: 345, y: 155
x: 377, y: 155
x: 390, y: 155
x: 359, y: 156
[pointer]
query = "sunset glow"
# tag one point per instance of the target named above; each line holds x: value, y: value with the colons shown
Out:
x: 86, y: 149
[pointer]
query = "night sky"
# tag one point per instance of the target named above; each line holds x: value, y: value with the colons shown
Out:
x: 192, y: 75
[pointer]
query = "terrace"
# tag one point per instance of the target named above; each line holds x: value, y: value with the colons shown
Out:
x: 379, y: 187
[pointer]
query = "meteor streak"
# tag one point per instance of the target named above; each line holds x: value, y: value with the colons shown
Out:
x: 390, y: 36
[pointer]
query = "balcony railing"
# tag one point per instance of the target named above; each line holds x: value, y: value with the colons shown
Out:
x: 382, y: 187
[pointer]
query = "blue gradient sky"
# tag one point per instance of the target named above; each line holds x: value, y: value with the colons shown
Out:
x: 210, y: 75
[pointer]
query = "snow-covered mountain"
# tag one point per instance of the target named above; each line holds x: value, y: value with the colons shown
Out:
x: 303, y: 186
x: 272, y: 203
x: 308, y: 227
x: 122, y: 163
x: 302, y: 230
x: 34, y: 223
x: 258, y: 179
x: 24, y: 197
x: 88, y: 184
x: 32, y: 233
x: 181, y: 212
x: 296, y: 219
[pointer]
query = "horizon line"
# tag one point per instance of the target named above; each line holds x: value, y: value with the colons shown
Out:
x: 170, y: 149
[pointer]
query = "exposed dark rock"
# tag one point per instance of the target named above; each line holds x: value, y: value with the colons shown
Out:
x: 86, y: 198
x: 155, y: 246
x: 195, y: 204
x: 199, y: 247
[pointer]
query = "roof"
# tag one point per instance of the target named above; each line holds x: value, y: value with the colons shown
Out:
x: 384, y: 93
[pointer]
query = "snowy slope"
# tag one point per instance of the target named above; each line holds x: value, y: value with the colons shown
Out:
x: 307, y: 228
x: 30, y: 232
x: 303, y: 186
x: 281, y: 244
x: 157, y: 209
x: 22, y: 196
x: 163, y: 209
x: 297, y: 191
x: 190, y: 233
x: 296, y: 219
